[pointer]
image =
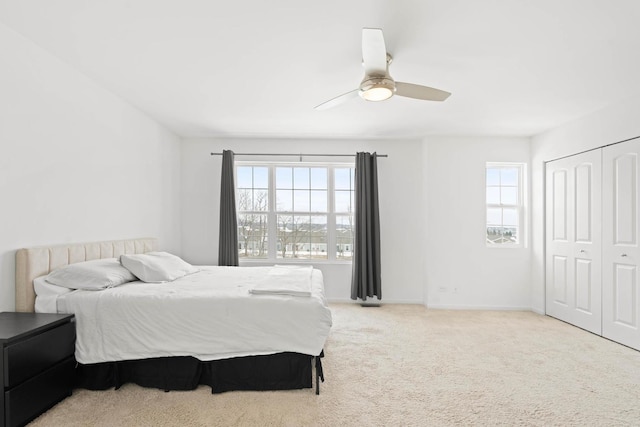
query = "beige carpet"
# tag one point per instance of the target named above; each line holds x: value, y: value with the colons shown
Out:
x: 404, y: 365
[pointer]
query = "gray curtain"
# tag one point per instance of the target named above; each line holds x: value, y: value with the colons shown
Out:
x: 365, y: 280
x: 228, y: 242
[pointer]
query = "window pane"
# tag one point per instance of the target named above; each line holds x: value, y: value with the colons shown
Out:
x: 261, y: 200
x: 509, y: 196
x: 494, y: 234
x: 252, y: 236
x: 494, y: 216
x: 493, y: 195
x: 493, y: 176
x: 244, y: 176
x: 260, y: 177
x: 284, y: 200
x: 344, y: 237
x: 301, y: 237
x: 301, y: 178
x: 509, y: 216
x: 343, y: 201
x: 319, y: 178
x: 343, y: 178
x: 301, y: 201
x: 285, y: 229
x: 509, y: 176
x: 318, y: 201
x: 293, y: 236
x: 284, y: 177
x: 500, y: 235
x: 244, y: 200
x: 318, y: 237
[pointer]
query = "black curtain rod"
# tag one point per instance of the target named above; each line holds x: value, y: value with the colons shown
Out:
x: 296, y: 154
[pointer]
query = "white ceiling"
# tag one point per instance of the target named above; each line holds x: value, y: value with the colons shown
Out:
x: 257, y: 68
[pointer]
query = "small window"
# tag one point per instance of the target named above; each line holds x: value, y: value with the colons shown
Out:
x: 505, y: 211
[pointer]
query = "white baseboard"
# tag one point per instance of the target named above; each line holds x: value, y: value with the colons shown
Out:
x: 477, y: 307
x: 373, y: 300
x: 434, y: 306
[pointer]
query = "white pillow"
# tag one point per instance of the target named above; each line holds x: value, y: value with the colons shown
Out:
x: 157, y: 267
x: 91, y: 275
x: 46, y: 289
x: 47, y: 295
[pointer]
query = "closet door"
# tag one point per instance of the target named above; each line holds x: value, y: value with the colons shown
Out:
x: 621, y: 255
x: 573, y: 241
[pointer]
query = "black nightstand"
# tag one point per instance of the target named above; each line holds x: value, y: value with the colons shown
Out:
x: 37, y: 363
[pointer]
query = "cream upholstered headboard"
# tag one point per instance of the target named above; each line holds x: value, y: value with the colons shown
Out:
x: 32, y: 263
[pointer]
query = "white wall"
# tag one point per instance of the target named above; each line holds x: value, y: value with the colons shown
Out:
x: 461, y: 272
x: 76, y: 163
x: 612, y: 124
x: 401, y: 207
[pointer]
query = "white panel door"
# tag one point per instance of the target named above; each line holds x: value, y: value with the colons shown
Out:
x: 620, y: 253
x: 573, y: 240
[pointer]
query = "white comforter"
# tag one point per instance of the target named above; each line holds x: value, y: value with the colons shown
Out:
x: 209, y: 315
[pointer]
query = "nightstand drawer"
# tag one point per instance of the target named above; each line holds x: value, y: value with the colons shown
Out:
x: 32, y: 356
x: 26, y: 401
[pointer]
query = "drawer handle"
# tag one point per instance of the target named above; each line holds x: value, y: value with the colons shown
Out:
x: 623, y: 255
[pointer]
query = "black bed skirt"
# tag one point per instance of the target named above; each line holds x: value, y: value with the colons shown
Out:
x: 281, y: 371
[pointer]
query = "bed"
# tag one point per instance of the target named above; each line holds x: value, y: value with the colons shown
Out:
x: 180, y: 334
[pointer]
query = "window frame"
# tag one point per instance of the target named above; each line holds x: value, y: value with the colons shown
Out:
x: 272, y: 213
x: 520, y: 205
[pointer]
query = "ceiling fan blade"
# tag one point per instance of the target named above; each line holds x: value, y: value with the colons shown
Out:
x: 338, y: 100
x: 420, y: 92
x: 374, y: 52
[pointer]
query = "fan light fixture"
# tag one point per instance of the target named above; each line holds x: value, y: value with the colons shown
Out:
x: 377, y: 89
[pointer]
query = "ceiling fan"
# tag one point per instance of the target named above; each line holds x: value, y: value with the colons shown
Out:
x: 377, y: 84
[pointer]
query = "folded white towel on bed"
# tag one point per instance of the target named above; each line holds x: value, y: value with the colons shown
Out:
x: 285, y: 280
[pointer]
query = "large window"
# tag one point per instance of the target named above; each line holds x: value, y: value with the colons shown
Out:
x: 504, y: 196
x: 295, y: 211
